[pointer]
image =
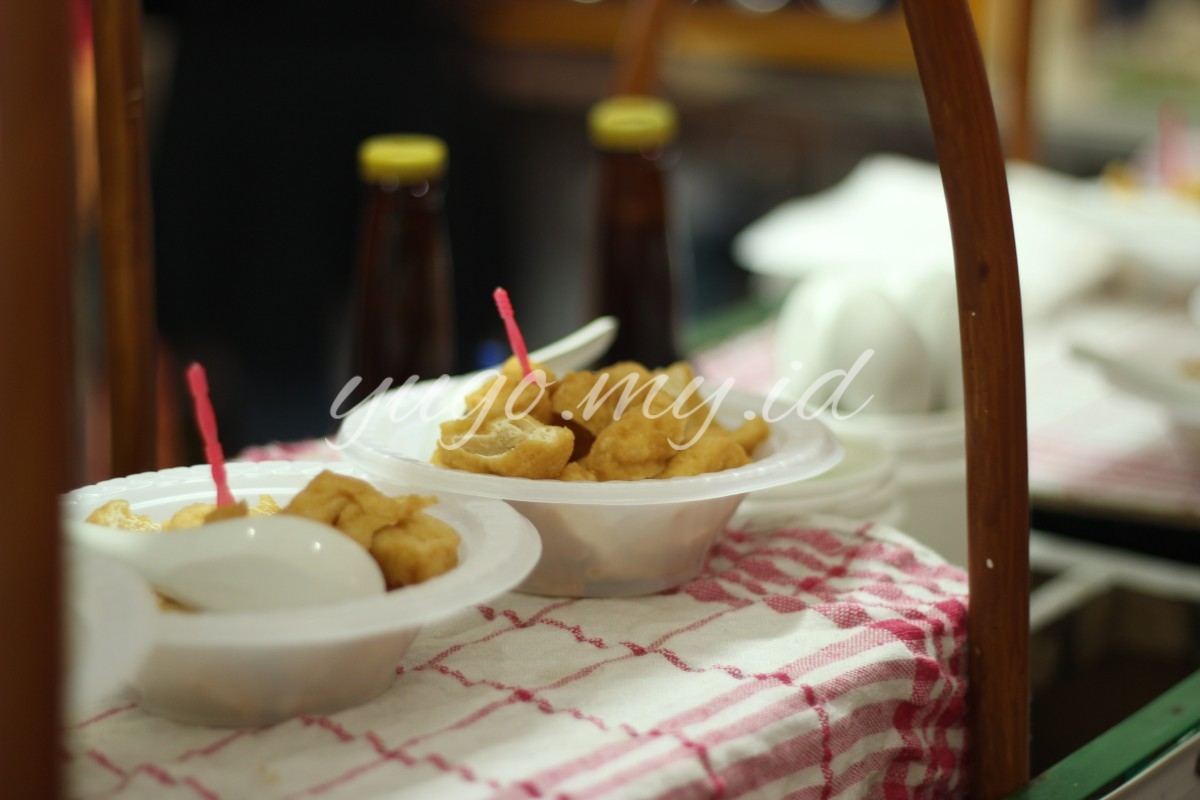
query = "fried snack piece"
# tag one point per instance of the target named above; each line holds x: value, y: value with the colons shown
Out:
x: 634, y: 447
x: 712, y: 452
x: 230, y: 511
x: 681, y: 380
x: 583, y: 437
x: 593, y: 400
x: 626, y: 423
x: 570, y: 397
x: 415, y: 550
x: 197, y: 514
x: 118, y: 514
x: 515, y: 448
x: 409, y: 545
x: 575, y: 471
x: 751, y: 433
x: 190, y: 516
x: 532, y: 397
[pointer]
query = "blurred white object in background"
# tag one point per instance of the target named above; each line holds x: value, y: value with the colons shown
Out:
x: 862, y: 486
x: 888, y: 217
x: 896, y: 342
x: 909, y: 391
x: 931, y: 472
x: 1157, y: 232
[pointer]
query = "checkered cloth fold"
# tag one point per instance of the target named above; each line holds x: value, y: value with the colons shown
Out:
x: 810, y: 659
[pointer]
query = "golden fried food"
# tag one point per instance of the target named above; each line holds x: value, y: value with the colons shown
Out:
x: 681, y: 383
x: 712, y: 452
x: 751, y: 433
x: 409, y: 545
x: 593, y: 400
x: 517, y: 448
x: 414, y: 550
x: 635, y: 446
x: 623, y: 422
x: 118, y: 514
x: 576, y: 471
x: 496, y: 398
x: 197, y: 514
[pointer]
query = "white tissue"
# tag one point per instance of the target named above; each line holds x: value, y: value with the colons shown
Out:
x: 888, y: 217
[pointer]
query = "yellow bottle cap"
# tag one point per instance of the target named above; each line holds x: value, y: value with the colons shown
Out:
x: 632, y: 122
x: 401, y: 157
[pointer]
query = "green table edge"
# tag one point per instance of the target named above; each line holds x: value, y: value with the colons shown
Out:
x: 1118, y: 754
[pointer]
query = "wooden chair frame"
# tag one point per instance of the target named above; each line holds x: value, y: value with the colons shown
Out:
x: 33, y: 58
x: 989, y: 306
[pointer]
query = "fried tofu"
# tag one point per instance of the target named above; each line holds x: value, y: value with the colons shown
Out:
x: 624, y: 422
x: 197, y: 514
x: 515, y: 448
x: 118, y: 514
x: 751, y: 433
x: 712, y: 452
x: 409, y: 545
x: 635, y: 447
x: 509, y: 391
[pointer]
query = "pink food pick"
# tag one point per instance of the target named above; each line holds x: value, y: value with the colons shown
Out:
x: 206, y: 420
x: 515, y: 340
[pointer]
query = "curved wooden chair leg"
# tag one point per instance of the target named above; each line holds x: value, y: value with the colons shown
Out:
x: 968, y: 147
x: 125, y: 234
x: 639, y: 44
x: 37, y: 223
x: 1021, y: 131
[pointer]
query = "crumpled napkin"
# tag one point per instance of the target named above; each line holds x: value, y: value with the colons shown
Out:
x: 888, y: 216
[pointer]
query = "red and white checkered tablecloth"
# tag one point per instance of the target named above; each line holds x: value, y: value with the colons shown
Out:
x: 809, y: 660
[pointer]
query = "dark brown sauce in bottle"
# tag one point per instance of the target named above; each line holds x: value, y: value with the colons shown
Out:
x: 404, y: 322
x: 633, y: 276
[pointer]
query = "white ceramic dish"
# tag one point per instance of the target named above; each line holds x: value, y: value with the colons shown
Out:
x: 110, y: 627
x: 606, y: 539
x: 252, y: 669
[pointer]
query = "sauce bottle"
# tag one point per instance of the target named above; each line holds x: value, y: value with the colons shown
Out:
x: 633, y: 275
x: 403, y: 313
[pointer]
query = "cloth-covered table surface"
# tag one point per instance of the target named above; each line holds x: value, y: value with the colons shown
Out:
x: 811, y: 658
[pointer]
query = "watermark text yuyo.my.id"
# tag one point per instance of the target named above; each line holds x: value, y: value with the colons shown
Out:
x: 442, y: 399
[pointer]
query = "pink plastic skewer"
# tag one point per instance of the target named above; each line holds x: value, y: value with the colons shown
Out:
x: 206, y: 420
x: 515, y: 340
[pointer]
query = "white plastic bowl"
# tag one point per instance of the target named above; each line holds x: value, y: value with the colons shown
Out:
x: 609, y: 539
x: 931, y: 472
x: 254, y: 669
x: 110, y: 617
x: 864, y: 486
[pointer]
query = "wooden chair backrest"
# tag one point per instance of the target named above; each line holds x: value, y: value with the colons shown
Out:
x: 125, y: 236
x: 968, y: 147
x: 36, y: 208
